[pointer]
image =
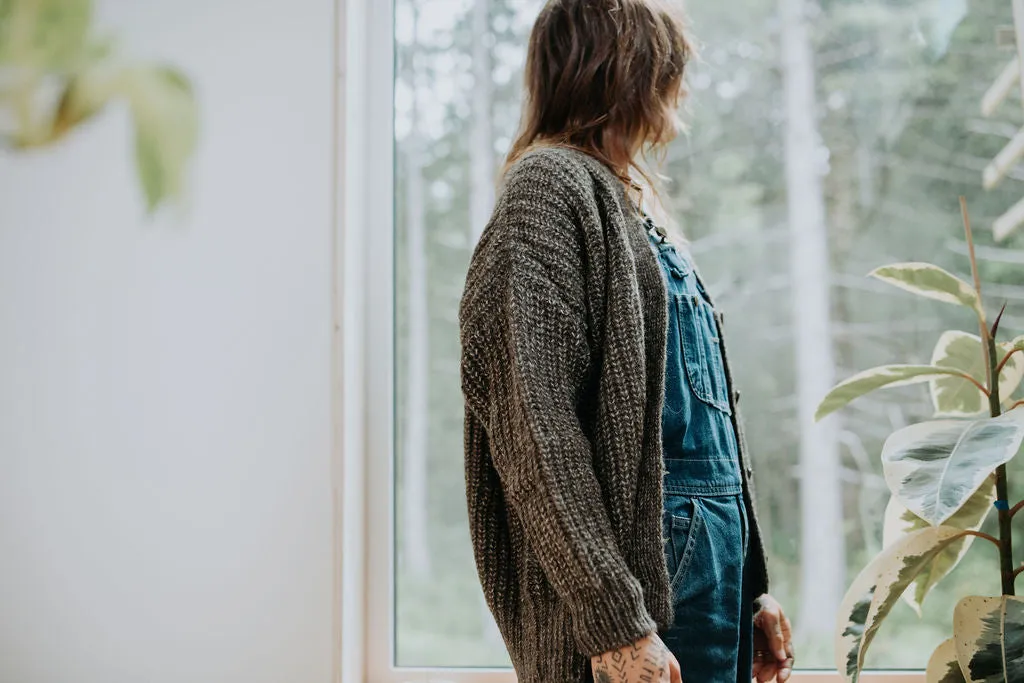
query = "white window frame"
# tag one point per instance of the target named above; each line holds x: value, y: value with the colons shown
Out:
x: 364, y: 368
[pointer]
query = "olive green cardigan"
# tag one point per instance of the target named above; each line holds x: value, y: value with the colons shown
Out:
x: 563, y: 326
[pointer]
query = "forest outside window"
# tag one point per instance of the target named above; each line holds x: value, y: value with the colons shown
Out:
x: 827, y: 138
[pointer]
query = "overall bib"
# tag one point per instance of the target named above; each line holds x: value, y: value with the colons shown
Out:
x: 705, y: 520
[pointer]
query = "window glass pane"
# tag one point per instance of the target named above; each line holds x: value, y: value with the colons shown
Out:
x: 813, y: 158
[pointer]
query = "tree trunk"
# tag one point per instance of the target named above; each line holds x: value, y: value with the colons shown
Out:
x: 414, y: 531
x: 822, y: 546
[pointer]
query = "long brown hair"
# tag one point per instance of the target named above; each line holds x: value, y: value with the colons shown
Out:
x: 605, y: 77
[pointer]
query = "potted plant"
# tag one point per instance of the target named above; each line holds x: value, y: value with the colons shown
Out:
x: 56, y: 73
x: 945, y: 475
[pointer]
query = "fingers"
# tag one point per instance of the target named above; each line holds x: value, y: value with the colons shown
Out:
x: 785, y: 671
x: 786, y: 666
x: 776, y: 640
x: 773, y: 622
x: 759, y: 662
x: 767, y: 672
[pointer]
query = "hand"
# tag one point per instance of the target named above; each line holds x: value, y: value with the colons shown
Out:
x: 773, y: 642
x: 648, y: 660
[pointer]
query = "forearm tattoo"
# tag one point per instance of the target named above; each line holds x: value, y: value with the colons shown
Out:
x: 641, y: 664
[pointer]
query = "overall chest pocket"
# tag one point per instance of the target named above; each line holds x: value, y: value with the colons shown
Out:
x: 702, y: 353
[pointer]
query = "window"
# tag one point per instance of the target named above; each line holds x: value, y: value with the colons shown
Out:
x: 814, y: 156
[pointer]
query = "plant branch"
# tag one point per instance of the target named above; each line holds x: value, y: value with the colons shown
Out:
x: 1018, y: 570
x: 1018, y: 404
x: 1005, y: 360
x: 1016, y: 508
x: 981, y: 387
x: 979, y: 534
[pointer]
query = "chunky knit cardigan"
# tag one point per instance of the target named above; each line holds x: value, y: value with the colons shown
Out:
x: 563, y: 326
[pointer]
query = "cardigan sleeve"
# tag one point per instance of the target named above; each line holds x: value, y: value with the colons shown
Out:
x: 525, y: 362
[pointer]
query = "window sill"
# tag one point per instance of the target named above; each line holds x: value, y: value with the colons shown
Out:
x: 506, y: 676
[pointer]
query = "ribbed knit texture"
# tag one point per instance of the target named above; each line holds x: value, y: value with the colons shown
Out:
x: 563, y: 361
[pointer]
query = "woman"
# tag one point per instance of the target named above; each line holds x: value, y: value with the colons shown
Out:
x: 611, y: 506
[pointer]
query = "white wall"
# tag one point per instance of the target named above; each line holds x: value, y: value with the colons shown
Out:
x: 165, y: 427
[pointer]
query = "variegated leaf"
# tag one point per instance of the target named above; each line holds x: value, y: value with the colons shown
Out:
x: 1015, y: 348
x: 899, y: 522
x: 955, y: 396
x: 929, y: 281
x: 989, y: 637
x: 877, y: 588
x: 935, y: 467
x: 877, y: 378
x: 943, y: 666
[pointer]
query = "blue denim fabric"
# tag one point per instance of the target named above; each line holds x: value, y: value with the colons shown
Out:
x: 705, y: 521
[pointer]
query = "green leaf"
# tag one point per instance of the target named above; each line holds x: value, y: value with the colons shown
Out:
x: 878, y: 587
x: 877, y: 378
x: 935, y: 467
x: 955, y: 396
x: 929, y: 281
x: 44, y: 35
x: 166, y: 130
x: 989, y: 637
x: 900, y: 522
x: 943, y: 666
x: 85, y: 94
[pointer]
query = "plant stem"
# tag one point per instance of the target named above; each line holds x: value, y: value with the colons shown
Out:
x: 1005, y: 534
x: 988, y: 343
x: 1002, y: 485
x: 970, y: 246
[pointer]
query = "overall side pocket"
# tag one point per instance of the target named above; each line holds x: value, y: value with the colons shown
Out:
x: 686, y: 523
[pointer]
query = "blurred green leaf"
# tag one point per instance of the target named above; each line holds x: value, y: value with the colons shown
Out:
x: 166, y: 129
x: 86, y: 93
x: 44, y: 35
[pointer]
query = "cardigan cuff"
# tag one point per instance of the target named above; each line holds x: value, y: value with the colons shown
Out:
x: 611, y: 620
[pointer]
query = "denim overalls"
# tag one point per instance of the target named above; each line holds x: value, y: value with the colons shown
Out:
x: 705, y: 521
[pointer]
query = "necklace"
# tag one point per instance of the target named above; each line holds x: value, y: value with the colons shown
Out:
x: 653, y: 229
x: 656, y: 231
